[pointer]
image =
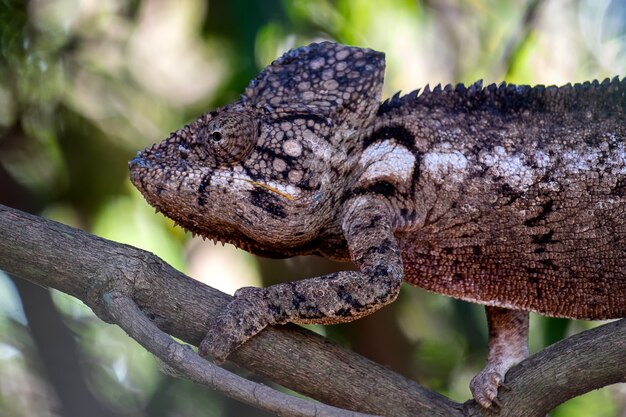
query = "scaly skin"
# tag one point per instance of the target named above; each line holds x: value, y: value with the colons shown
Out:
x: 512, y: 197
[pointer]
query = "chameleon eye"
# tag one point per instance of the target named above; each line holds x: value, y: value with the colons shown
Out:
x: 232, y: 136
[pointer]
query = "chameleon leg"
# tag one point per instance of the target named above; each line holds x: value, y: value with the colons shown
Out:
x: 508, y: 346
x: 334, y: 298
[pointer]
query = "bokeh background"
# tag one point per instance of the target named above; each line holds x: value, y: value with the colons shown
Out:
x: 84, y: 84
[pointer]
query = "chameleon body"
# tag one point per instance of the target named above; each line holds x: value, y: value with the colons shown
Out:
x: 508, y: 196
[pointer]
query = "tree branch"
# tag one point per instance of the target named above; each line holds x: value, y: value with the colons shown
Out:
x: 87, y: 267
x: 187, y: 363
x: 93, y: 269
x: 576, y: 365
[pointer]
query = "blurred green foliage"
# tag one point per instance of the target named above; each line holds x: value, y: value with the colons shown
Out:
x: 85, y: 84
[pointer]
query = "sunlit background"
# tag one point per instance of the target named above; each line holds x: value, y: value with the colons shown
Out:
x: 85, y: 84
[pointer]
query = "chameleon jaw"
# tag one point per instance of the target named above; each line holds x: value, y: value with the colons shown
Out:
x: 270, y: 188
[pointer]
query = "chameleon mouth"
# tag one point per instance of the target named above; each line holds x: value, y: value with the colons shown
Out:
x: 138, y: 165
x: 262, y: 185
x: 270, y: 188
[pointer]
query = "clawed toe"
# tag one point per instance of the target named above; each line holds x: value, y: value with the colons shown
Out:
x: 224, y: 336
x: 242, y: 319
x: 204, y: 350
x: 216, y: 345
x: 484, y: 387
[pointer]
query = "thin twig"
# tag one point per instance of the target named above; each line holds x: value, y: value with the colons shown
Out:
x: 184, y: 360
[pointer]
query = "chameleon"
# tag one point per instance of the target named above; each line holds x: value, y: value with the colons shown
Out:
x: 509, y: 196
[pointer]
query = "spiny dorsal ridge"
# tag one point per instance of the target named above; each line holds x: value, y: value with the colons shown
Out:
x: 608, y: 95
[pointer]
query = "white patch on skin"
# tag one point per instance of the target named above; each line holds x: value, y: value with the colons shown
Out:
x: 324, y: 152
x: 510, y: 167
x: 590, y: 159
x: 620, y: 156
x: 342, y: 54
x: 242, y: 182
x: 387, y: 159
x: 279, y: 165
x: 319, y: 147
x: 295, y: 175
x: 542, y: 159
x: 225, y: 180
x: 304, y: 86
x: 357, y: 203
x: 577, y: 162
x: 317, y: 63
x: 448, y: 165
x: 330, y: 84
x: 292, y: 147
x: 284, y: 188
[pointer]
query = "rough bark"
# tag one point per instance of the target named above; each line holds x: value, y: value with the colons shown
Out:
x: 91, y: 269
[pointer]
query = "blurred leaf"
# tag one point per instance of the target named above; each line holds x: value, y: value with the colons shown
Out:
x: 129, y: 220
x: 10, y: 305
x: 597, y: 403
x: 554, y: 329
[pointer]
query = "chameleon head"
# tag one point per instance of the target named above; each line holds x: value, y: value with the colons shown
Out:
x: 263, y: 172
x: 226, y: 177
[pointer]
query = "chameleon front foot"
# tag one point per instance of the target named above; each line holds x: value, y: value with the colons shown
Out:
x: 242, y: 319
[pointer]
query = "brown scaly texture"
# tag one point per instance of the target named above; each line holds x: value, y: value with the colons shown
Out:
x: 509, y: 196
x: 521, y: 196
